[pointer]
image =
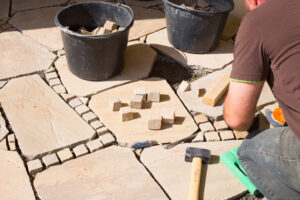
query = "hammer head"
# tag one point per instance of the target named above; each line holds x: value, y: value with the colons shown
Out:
x: 191, y: 152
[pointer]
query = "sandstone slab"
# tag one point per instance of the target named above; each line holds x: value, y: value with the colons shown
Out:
x: 52, y: 124
x: 39, y: 26
x: 4, y: 8
x: 146, y: 21
x: 18, y: 5
x: 136, y: 130
x: 220, y: 57
x: 173, y: 173
x: 112, y: 173
x: 139, y: 59
x: 15, y: 51
x: 14, y: 180
x: 194, y: 103
x: 3, y: 129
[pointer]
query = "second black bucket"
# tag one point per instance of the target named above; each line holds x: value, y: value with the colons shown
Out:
x: 196, y: 31
x: 94, y: 57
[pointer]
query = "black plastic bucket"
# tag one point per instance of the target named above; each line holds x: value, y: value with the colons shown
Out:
x: 196, y: 31
x: 94, y: 57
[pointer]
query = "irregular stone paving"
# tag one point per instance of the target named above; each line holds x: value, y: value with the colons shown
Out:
x: 146, y: 21
x: 39, y: 25
x: 217, y: 59
x: 144, y: 4
x: 173, y: 173
x: 52, y: 124
x: 194, y: 103
x: 18, y: 5
x: 15, y: 51
x: 112, y: 173
x: 14, y: 180
x: 139, y: 59
x: 137, y: 130
x: 4, y: 8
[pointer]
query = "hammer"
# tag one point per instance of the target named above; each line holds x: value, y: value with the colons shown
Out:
x: 196, y: 156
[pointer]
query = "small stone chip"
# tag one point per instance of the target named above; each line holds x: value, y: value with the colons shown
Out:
x: 11, y: 142
x: 90, y: 117
x: 205, y: 127
x: 126, y: 114
x: 2, y: 83
x: 153, y: 95
x: 55, y: 81
x: 107, y: 139
x: 82, y: 109
x: 96, y: 124
x: 201, y: 118
x: 67, y: 97
x: 212, y: 136
x: 240, y: 134
x: 59, y: 89
x: 61, y: 52
x: 168, y: 115
x: 80, y: 150
x: 136, y: 102
x: 140, y: 91
x: 75, y: 102
x: 227, y: 135
x: 50, y: 160
x: 184, y: 86
x: 35, y: 166
x: 51, y: 75
x: 115, y: 104
x: 220, y: 125
x: 199, y: 137
x: 101, y: 131
x: 65, y: 155
x: 94, y: 145
x: 154, y: 122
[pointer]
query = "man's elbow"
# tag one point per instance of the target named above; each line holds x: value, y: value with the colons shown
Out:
x: 237, y: 123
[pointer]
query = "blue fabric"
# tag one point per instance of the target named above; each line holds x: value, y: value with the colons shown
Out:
x: 271, y: 159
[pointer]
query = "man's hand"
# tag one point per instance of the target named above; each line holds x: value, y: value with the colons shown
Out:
x: 240, y: 104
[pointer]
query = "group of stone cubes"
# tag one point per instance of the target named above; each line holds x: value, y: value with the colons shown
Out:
x: 54, y: 81
x: 186, y: 86
x: 108, y: 27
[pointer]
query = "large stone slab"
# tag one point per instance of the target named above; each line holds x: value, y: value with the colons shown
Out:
x: 20, y: 55
x: 136, y: 130
x: 112, y: 173
x: 146, y: 21
x: 39, y: 25
x: 217, y: 59
x: 144, y: 4
x: 194, y: 103
x: 40, y: 119
x: 173, y: 173
x: 139, y: 59
x: 14, y: 180
x: 4, y: 8
x: 18, y: 5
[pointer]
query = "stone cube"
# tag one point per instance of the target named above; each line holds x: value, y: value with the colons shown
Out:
x: 65, y: 155
x: 199, y: 137
x: 184, y: 86
x: 227, y: 135
x: 94, y: 145
x: 154, y: 122
x: 89, y: 117
x: 96, y: 124
x: 107, y: 139
x: 80, y: 150
x: 153, y: 95
x: 126, y: 114
x: 67, y: 97
x: 101, y: 131
x: 59, y: 89
x: 11, y: 142
x: 220, y: 125
x: 136, y: 102
x: 212, y: 136
x: 168, y: 115
x: 205, y: 127
x: 84, y: 100
x: 140, y: 91
x: 50, y: 160
x: 110, y: 25
x: 115, y: 104
x: 51, y: 75
x: 101, y: 31
x: 34, y: 166
x: 201, y: 118
x: 50, y: 69
x: 240, y: 134
x: 82, y: 109
x: 75, y: 102
x: 55, y: 81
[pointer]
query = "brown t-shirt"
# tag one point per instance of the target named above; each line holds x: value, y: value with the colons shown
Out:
x: 268, y: 48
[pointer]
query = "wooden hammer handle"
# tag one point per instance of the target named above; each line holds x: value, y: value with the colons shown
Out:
x: 195, y: 179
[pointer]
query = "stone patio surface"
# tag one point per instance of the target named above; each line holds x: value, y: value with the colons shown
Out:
x: 59, y: 139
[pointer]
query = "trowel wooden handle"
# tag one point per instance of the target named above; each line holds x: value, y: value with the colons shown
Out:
x: 195, y: 179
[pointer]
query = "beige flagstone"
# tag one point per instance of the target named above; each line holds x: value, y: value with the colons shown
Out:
x: 18, y: 5
x: 146, y: 21
x: 112, y: 173
x: 216, y: 59
x: 39, y: 26
x: 14, y: 179
x: 40, y: 119
x: 4, y: 8
x: 136, y: 130
x: 139, y: 59
x: 20, y: 55
x: 172, y: 172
